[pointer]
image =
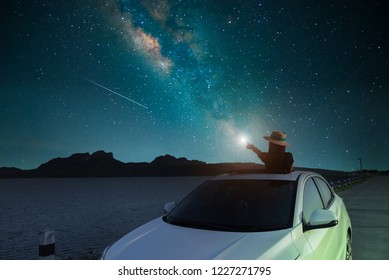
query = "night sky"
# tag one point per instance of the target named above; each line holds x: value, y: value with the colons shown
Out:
x: 144, y: 78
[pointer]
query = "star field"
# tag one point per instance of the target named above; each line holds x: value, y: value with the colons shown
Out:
x: 205, y: 73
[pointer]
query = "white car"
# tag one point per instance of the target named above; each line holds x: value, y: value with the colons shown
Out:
x: 246, y: 216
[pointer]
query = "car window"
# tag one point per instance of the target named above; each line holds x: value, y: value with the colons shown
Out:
x: 311, y: 199
x: 237, y: 205
x: 325, y: 192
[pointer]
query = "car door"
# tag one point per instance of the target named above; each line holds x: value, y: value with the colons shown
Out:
x: 321, y: 240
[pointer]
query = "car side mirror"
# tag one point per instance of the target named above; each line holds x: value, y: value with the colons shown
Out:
x: 169, y: 207
x: 321, y: 218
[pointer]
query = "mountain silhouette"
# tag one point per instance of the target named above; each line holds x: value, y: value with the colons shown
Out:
x: 103, y: 164
x: 98, y: 164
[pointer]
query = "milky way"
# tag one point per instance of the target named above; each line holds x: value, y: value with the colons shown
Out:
x: 209, y: 73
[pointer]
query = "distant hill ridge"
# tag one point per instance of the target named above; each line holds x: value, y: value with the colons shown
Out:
x: 103, y: 164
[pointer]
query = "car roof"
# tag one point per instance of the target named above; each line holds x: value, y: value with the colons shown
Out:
x: 261, y: 175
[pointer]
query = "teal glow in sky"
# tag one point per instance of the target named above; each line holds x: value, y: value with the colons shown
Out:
x: 189, y: 78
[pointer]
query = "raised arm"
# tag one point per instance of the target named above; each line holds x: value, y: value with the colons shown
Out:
x: 255, y: 150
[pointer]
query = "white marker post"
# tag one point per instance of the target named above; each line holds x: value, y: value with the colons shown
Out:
x: 47, y: 245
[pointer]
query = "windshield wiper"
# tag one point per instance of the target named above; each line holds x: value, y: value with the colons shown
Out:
x: 221, y: 227
x: 201, y: 225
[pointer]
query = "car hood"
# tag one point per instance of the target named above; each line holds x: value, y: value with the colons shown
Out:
x: 158, y: 240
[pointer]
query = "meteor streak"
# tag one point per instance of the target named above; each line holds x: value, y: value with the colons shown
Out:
x: 114, y: 92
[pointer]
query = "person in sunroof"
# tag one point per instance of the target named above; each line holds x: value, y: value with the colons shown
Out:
x: 276, y: 160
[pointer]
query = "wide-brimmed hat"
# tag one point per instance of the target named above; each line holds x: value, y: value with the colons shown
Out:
x: 278, y: 138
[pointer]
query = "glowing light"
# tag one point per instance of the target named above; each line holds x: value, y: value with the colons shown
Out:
x: 243, y: 140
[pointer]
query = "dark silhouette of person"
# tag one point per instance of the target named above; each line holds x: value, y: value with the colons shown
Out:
x: 276, y: 160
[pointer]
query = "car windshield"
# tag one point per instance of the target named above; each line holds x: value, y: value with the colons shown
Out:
x: 237, y: 205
